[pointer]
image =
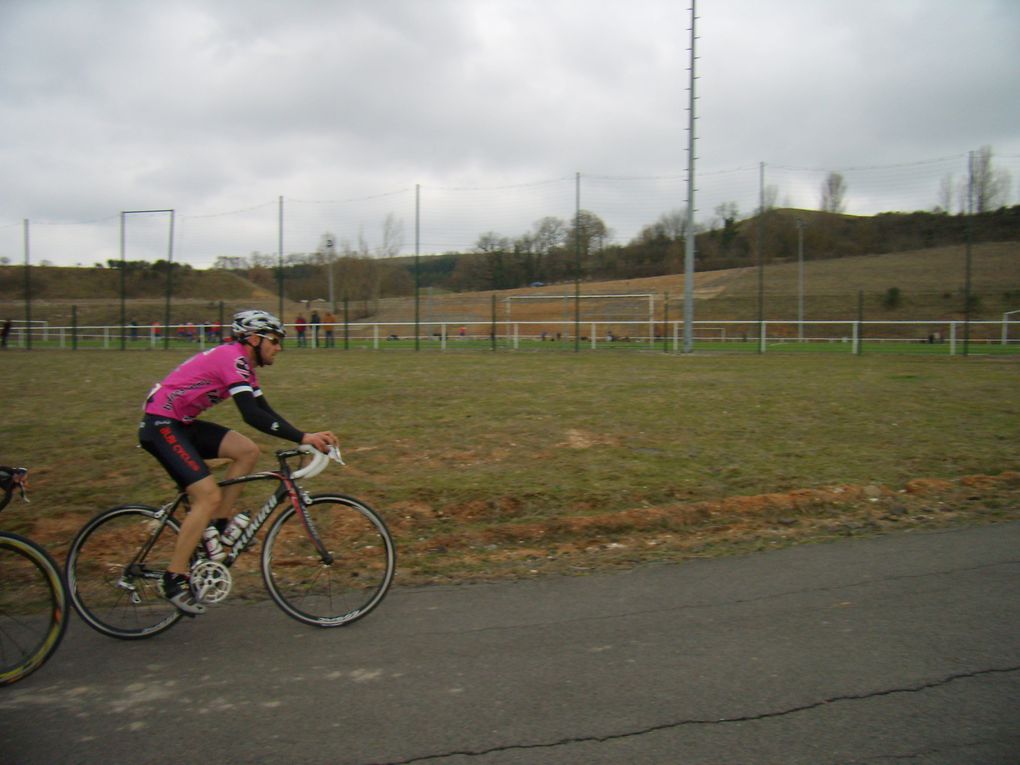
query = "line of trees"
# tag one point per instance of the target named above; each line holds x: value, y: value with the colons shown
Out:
x: 557, y: 250
x: 552, y: 251
x: 986, y: 188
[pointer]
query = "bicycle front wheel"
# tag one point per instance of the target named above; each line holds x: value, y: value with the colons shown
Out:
x: 33, y: 607
x: 355, y: 578
x: 115, y: 569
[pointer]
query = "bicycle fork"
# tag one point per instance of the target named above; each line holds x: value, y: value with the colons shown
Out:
x: 300, y: 500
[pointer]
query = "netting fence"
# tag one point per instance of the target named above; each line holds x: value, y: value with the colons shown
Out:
x: 423, y: 220
x: 435, y: 219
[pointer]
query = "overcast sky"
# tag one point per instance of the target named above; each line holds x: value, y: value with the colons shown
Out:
x: 213, y: 106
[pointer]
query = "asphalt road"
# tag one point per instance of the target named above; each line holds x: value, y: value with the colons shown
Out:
x: 903, y: 648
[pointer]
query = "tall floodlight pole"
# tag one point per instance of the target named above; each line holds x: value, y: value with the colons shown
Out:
x: 577, y: 263
x: 279, y: 276
x: 800, y: 280
x: 689, y: 239
x: 417, y: 266
x: 123, y: 306
x: 169, y: 280
x: 967, y: 256
x: 28, y: 291
x: 330, y: 259
x: 761, y: 257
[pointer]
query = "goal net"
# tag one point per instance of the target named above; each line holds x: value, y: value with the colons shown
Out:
x: 616, y: 316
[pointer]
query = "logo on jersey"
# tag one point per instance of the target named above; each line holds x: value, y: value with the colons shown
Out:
x: 241, y: 365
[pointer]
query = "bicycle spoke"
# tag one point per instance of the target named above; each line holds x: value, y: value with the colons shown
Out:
x: 113, y: 595
x: 336, y: 593
x: 32, y: 607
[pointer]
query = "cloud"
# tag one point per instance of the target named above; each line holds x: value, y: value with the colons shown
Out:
x: 210, y: 107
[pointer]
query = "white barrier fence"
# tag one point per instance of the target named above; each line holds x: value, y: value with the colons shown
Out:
x: 946, y: 336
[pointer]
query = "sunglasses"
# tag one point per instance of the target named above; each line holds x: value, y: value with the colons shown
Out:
x: 271, y: 338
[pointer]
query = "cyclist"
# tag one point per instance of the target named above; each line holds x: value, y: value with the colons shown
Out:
x: 170, y: 432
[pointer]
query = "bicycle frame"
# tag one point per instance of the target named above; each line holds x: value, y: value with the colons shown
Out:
x: 287, y: 488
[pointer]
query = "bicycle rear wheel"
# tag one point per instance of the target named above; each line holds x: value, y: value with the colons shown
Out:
x: 114, y: 589
x: 33, y: 607
x: 336, y: 593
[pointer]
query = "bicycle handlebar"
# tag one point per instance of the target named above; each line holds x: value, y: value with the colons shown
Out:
x: 11, y: 479
x: 319, y: 462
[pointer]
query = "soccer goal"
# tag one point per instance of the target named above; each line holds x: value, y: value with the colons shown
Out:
x: 630, y: 315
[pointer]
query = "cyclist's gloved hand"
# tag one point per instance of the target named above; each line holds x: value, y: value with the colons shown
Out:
x: 321, y: 440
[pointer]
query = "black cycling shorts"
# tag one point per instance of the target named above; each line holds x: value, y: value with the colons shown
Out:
x: 181, y: 448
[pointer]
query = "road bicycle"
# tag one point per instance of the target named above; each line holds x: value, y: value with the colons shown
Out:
x: 327, y: 560
x: 33, y: 599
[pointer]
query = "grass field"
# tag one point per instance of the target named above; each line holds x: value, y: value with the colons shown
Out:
x: 509, y: 464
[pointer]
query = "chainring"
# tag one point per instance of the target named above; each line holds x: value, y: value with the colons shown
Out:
x: 210, y: 581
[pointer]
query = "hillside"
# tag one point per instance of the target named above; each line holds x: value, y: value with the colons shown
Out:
x: 95, y: 294
x: 928, y: 284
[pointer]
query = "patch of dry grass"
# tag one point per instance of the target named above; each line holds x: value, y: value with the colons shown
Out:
x: 492, y: 464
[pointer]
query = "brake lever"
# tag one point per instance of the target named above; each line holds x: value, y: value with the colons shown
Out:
x: 21, y: 481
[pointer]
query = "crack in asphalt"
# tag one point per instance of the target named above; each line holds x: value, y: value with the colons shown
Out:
x: 709, y: 721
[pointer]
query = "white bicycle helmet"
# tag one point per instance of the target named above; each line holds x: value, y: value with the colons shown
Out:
x: 256, y: 322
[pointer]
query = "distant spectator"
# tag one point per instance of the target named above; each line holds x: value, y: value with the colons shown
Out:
x: 328, y: 322
x: 301, y: 325
x: 5, y: 333
x: 315, y: 322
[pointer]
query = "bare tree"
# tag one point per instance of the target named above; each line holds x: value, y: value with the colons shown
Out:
x: 393, y: 237
x: 592, y: 231
x: 989, y: 184
x: 548, y: 233
x: 947, y: 194
x: 535, y: 248
x: 833, y: 193
x: 671, y: 227
x: 725, y: 214
x: 225, y: 262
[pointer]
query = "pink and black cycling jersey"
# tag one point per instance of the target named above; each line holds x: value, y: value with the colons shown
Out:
x: 203, y: 381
